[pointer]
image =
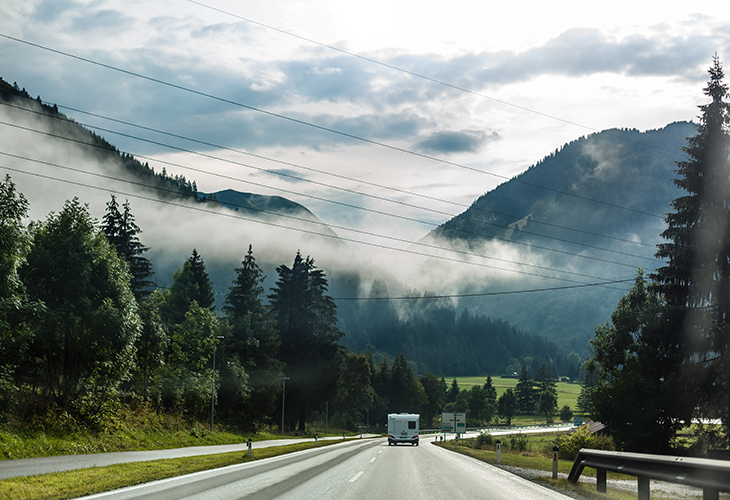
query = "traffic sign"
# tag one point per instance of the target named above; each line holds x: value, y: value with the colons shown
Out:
x: 453, y: 422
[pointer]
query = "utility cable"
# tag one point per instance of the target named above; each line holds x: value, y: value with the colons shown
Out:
x: 320, y: 127
x: 352, y: 179
x: 281, y: 226
x: 320, y: 223
x: 445, y: 228
x: 481, y: 294
x: 422, y: 76
x: 598, y: 259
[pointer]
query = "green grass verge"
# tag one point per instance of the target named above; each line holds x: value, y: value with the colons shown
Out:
x: 72, y: 484
x: 538, y: 457
x: 26, y: 444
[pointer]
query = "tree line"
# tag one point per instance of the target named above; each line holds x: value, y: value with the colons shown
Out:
x: 84, y: 329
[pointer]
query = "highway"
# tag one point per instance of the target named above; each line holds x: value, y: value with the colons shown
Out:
x: 358, y: 469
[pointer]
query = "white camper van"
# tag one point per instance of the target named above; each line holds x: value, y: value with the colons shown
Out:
x: 403, y: 428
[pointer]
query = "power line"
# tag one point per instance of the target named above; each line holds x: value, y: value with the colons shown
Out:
x: 344, y: 177
x: 424, y: 77
x: 530, y: 245
x: 299, y: 219
x: 319, y: 127
x: 482, y: 294
x: 445, y: 228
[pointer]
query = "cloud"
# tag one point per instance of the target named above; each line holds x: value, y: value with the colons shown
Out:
x: 465, y: 141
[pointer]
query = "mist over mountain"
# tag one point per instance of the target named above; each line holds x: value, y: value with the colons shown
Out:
x: 589, y: 213
x: 593, y: 208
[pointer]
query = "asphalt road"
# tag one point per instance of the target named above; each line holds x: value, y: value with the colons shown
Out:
x: 47, y: 465
x: 358, y: 469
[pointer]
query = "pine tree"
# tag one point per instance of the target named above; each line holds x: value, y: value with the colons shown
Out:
x: 507, y: 405
x: 307, y: 320
x: 524, y: 392
x: 122, y: 231
x: 547, y: 393
x: 253, y: 342
x: 696, y: 280
x: 191, y: 283
x: 204, y: 291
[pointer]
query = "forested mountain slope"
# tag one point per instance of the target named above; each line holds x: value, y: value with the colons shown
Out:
x: 594, y: 207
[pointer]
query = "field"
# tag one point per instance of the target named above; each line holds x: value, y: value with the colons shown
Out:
x: 567, y: 393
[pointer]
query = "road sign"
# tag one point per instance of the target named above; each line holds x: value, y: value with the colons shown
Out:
x: 454, y: 422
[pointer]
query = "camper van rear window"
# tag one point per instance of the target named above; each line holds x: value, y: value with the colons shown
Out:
x: 412, y: 424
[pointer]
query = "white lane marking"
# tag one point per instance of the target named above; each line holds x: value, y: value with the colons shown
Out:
x: 357, y: 476
x: 381, y: 451
x: 373, y: 459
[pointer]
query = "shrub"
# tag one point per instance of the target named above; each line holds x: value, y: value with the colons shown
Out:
x: 518, y: 443
x: 484, y: 439
x: 569, y: 444
x: 566, y: 413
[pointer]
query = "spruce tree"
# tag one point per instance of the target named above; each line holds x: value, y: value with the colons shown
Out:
x: 524, y: 392
x: 122, y: 231
x: 253, y: 342
x: 204, y: 291
x: 696, y: 280
x: 307, y: 321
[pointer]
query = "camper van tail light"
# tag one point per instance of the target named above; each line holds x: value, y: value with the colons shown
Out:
x: 391, y: 436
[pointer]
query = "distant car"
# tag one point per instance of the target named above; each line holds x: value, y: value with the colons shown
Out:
x: 403, y: 428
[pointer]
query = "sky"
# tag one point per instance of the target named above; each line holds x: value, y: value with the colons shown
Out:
x: 368, y: 109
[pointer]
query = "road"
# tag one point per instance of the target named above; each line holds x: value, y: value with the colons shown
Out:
x: 46, y: 465
x: 367, y: 468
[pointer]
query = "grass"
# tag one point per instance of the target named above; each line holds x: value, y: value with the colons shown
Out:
x: 538, y: 456
x: 82, y: 482
x: 567, y: 392
x: 131, y: 430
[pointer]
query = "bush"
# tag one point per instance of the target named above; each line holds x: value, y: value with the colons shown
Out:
x: 566, y: 413
x: 569, y: 444
x: 518, y: 443
x: 484, y: 439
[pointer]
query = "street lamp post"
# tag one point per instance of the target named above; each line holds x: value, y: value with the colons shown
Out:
x: 283, y: 400
x: 212, y: 385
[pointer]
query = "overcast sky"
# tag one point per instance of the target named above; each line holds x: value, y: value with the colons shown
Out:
x: 324, y: 87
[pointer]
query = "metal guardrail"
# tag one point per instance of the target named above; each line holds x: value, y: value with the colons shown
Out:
x: 712, y: 476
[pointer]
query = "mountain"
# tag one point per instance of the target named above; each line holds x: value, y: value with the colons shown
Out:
x: 595, y: 208
x: 588, y: 213
x: 262, y: 205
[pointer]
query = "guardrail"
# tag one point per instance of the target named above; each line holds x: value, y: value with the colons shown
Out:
x: 712, y: 476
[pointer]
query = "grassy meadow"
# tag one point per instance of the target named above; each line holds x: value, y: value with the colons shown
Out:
x: 567, y: 394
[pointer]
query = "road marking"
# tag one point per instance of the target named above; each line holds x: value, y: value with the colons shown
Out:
x: 357, y: 476
x: 373, y: 459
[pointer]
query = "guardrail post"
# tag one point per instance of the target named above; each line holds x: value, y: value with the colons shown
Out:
x: 710, y: 494
x: 643, y: 487
x: 601, y: 480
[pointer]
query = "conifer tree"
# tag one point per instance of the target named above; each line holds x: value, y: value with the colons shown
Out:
x: 696, y: 280
x: 507, y: 405
x: 122, y: 231
x: 547, y: 393
x: 253, y: 341
x: 307, y: 321
x: 524, y: 392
